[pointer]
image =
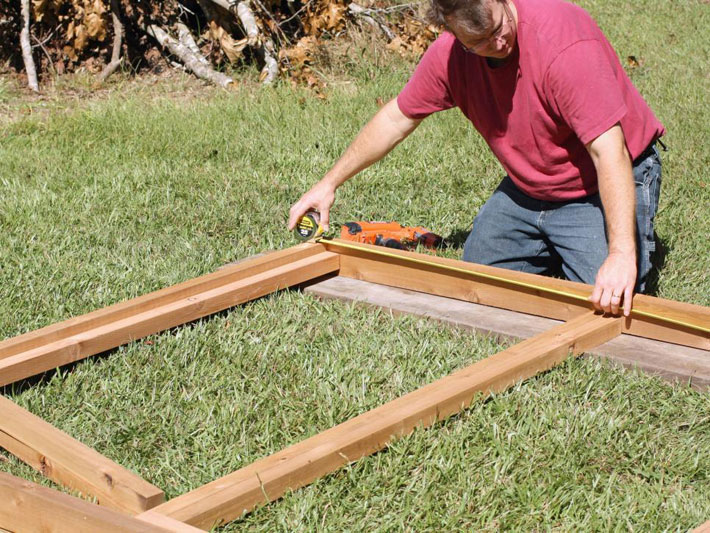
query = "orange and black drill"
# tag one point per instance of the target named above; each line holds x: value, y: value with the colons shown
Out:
x: 390, y: 234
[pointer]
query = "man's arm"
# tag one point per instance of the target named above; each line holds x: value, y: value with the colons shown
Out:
x: 617, y: 276
x: 379, y: 136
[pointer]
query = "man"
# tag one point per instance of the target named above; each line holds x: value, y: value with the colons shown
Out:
x: 542, y: 85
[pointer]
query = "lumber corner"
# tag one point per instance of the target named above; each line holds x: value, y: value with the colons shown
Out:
x: 166, y: 522
x: 70, y: 463
x: 27, y: 506
x: 151, y: 497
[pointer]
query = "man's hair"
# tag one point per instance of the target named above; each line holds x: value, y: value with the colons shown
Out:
x: 470, y: 15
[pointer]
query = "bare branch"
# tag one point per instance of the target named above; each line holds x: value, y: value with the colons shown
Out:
x: 117, y: 42
x: 267, y: 50
x: 271, y: 67
x: 27, y: 48
x: 370, y: 16
x: 44, y: 49
x: 185, y: 37
x: 189, y: 59
x: 248, y: 20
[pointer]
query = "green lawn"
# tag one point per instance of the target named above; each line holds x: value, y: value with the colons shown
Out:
x: 108, y: 197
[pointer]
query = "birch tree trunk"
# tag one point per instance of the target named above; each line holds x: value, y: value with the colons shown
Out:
x: 27, y: 48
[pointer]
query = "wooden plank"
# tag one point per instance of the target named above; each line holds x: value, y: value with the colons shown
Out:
x: 26, y: 506
x: 73, y: 464
x: 366, y: 264
x: 185, y: 309
x: 268, y: 478
x: 166, y: 522
x: 669, y: 361
x: 476, y: 317
x: 101, y: 317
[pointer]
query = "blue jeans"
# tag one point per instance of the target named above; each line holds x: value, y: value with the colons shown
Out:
x: 515, y: 231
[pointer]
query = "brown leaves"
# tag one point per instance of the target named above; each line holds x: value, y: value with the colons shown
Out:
x: 414, y: 37
x: 633, y: 62
x: 231, y: 47
x: 297, y: 60
x: 324, y: 15
x: 84, y: 21
x: 301, y: 54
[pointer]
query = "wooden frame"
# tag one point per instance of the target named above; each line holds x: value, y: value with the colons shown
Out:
x: 126, y: 501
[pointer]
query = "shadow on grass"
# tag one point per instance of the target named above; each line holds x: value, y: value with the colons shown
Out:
x: 18, y: 387
x: 658, y: 261
x: 456, y: 239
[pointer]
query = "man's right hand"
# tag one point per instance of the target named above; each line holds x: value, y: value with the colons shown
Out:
x: 320, y: 198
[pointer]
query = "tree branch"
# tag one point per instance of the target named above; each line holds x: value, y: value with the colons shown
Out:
x: 185, y: 37
x: 117, y: 42
x: 369, y: 16
x: 189, y: 59
x: 27, y: 48
x: 267, y: 51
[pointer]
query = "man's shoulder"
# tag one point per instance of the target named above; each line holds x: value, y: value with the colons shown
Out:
x: 443, y: 44
x: 556, y: 23
x: 438, y: 57
x: 548, y: 27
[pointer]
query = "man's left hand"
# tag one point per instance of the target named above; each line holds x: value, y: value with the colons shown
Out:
x: 614, y: 285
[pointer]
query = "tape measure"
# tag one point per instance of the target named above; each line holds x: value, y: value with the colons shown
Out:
x: 308, y: 227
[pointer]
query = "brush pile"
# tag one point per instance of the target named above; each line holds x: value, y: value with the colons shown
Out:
x: 205, y: 37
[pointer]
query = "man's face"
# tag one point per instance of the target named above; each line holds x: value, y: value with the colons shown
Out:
x: 498, y: 41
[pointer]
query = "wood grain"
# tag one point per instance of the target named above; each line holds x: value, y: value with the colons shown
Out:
x: 26, y: 506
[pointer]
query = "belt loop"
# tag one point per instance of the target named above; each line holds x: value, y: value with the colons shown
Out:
x: 663, y: 145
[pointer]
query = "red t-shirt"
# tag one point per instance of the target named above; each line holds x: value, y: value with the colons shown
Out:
x: 562, y: 87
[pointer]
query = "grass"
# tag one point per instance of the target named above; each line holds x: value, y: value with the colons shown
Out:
x: 106, y: 198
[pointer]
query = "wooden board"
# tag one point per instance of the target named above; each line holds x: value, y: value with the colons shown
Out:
x: 366, y: 263
x: 166, y: 522
x: 669, y: 361
x: 71, y: 463
x: 113, y: 313
x: 123, y: 327
x: 269, y: 478
x: 26, y: 506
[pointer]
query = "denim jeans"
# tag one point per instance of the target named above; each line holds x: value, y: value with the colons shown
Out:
x: 515, y: 231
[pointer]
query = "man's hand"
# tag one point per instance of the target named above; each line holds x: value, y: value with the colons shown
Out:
x: 615, y: 283
x: 320, y: 197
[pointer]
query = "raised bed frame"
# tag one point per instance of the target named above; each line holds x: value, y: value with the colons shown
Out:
x: 129, y: 503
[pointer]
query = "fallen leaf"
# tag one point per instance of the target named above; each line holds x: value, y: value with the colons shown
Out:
x: 632, y: 61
